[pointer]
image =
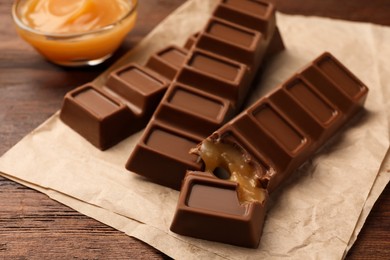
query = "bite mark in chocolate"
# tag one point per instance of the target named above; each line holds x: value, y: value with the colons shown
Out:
x: 239, y: 167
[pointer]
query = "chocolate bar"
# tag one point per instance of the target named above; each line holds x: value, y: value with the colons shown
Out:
x: 252, y: 155
x: 208, y: 91
x: 136, y: 90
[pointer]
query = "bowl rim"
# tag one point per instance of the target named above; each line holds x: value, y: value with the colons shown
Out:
x: 65, y: 36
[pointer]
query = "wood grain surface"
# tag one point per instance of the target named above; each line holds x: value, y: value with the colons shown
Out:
x: 32, y: 226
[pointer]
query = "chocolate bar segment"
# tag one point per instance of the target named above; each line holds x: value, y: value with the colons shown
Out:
x: 279, y: 127
x: 208, y: 90
x: 307, y: 107
x: 260, y: 148
x: 232, y: 41
x: 216, y: 75
x: 338, y: 74
x: 212, y: 204
x: 165, y: 150
x: 191, y: 41
x: 138, y: 87
x: 196, y: 111
x: 335, y: 82
x: 168, y: 61
x: 309, y: 98
x: 254, y: 14
x: 100, y: 118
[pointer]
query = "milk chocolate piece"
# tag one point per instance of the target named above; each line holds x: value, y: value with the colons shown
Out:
x: 216, y: 75
x: 260, y: 148
x: 100, y: 118
x: 138, y: 87
x: 211, y: 209
x: 337, y: 83
x: 254, y: 14
x: 201, y: 111
x: 168, y: 61
x: 208, y: 90
x: 233, y: 41
x: 307, y: 107
x: 155, y: 150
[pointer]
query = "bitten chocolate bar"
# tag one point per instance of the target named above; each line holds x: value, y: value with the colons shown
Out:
x: 253, y: 154
x: 133, y: 91
x: 208, y: 90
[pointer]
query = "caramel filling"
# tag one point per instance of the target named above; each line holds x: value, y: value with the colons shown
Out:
x: 227, y: 162
x: 73, y: 16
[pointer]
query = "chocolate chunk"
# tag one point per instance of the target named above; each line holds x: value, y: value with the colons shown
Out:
x: 100, y: 118
x: 211, y: 209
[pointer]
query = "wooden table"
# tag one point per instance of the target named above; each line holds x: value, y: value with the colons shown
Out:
x: 31, y: 89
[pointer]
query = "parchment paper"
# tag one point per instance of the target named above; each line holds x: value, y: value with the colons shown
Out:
x: 313, y: 216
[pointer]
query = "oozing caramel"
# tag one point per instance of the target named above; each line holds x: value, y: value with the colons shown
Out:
x: 217, y: 155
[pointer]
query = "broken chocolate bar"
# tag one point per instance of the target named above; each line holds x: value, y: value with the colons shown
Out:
x: 137, y: 90
x: 253, y: 154
x: 207, y: 91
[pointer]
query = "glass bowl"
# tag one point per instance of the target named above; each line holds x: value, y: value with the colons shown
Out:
x: 80, y: 48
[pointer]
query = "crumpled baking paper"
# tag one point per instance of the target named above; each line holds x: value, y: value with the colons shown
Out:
x: 317, y: 214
